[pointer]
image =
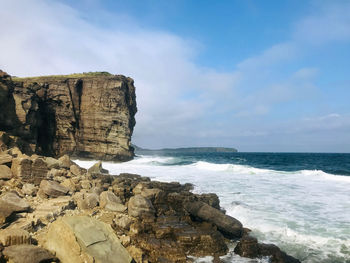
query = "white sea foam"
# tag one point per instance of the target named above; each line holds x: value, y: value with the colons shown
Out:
x: 306, y: 213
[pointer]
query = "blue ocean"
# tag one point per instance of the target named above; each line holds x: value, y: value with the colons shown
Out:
x: 298, y: 201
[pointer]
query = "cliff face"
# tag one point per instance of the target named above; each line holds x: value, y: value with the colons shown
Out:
x: 83, y: 115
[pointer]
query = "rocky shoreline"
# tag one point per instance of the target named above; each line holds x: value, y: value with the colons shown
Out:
x: 52, y: 210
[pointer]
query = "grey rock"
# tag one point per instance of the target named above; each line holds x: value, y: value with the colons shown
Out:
x: 139, y: 206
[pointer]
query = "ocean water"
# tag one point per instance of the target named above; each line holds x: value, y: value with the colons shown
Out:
x: 298, y: 201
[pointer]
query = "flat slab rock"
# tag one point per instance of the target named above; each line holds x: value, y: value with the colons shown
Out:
x: 52, y: 188
x: 28, y: 254
x: 78, y: 239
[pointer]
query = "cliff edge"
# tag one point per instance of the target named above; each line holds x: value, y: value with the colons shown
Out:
x: 90, y: 115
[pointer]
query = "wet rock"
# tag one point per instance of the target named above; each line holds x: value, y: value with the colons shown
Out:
x: 210, y: 199
x: 52, y: 189
x: 5, y: 172
x: 10, y: 237
x: 28, y: 254
x: 247, y: 247
x: 228, y: 225
x: 78, y: 239
x: 110, y: 202
x: 140, y: 206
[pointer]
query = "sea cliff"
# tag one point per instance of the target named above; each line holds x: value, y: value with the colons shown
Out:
x: 89, y: 115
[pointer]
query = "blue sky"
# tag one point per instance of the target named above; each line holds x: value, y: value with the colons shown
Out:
x: 256, y: 75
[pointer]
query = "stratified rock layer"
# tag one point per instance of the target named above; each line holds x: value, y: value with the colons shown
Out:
x: 86, y: 115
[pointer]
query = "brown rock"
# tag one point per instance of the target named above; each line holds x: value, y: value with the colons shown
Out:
x: 228, y: 225
x: 78, y: 239
x: 5, y: 158
x: 12, y: 201
x: 39, y: 171
x: 5, y: 172
x: 52, y: 189
x: 140, y: 206
x: 77, y: 171
x: 65, y: 162
x: 97, y: 169
x: 28, y: 254
x: 110, y: 202
x: 10, y: 237
x: 22, y: 168
x: 29, y: 189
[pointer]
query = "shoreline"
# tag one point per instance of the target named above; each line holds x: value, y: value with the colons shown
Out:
x: 154, y: 221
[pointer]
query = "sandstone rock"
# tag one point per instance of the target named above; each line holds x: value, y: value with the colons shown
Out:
x: 97, y: 169
x: 123, y: 221
x: 54, y: 173
x: 29, y: 189
x: 76, y: 170
x: 140, y: 206
x: 229, y: 226
x: 10, y: 237
x: 22, y: 168
x: 52, y: 189
x: 5, y: 172
x: 79, y: 239
x: 39, y: 171
x: 5, y: 158
x: 52, y: 163
x: 69, y: 183
x: 110, y: 202
x: 12, y: 201
x: 28, y: 254
x: 65, y: 162
x: 87, y: 200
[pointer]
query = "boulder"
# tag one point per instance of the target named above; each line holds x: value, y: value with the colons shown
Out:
x: 29, y: 189
x: 5, y: 172
x: 28, y: 254
x: 39, y: 171
x: 52, y: 189
x: 110, y: 202
x: 228, y: 225
x: 87, y: 200
x: 12, y: 201
x: 10, y: 237
x: 76, y: 170
x: 139, y: 206
x: 78, y: 239
x: 22, y: 168
x: 52, y: 163
x: 5, y: 158
x: 64, y: 162
x: 97, y: 169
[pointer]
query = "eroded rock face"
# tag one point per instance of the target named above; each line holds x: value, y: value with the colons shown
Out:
x: 88, y: 116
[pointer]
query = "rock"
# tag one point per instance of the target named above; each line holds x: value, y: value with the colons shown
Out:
x: 210, y: 199
x: 5, y: 172
x: 69, y: 183
x: 123, y: 221
x: 247, y: 247
x: 52, y: 163
x: 228, y: 225
x: 151, y: 194
x: 5, y: 158
x: 10, y: 237
x: 78, y: 239
x: 22, y: 168
x: 28, y: 254
x: 87, y: 200
x: 39, y: 171
x: 64, y: 162
x: 140, y: 206
x: 76, y: 170
x: 29, y: 189
x: 52, y: 189
x: 110, y: 202
x: 54, y: 173
x: 97, y: 169
x: 275, y: 254
x: 90, y: 115
x: 12, y: 201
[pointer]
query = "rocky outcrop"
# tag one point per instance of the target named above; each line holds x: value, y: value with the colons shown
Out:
x: 84, y: 215
x: 84, y: 115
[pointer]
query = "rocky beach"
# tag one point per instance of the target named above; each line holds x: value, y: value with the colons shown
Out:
x: 52, y: 210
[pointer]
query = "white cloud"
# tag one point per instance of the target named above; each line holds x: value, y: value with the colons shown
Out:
x: 180, y: 103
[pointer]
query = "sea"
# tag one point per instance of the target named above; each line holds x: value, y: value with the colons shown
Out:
x: 298, y: 201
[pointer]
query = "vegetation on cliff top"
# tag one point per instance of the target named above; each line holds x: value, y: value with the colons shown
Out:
x: 74, y: 75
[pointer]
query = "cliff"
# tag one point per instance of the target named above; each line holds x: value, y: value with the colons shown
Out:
x: 84, y: 115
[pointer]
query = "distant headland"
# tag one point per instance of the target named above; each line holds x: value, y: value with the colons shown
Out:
x: 139, y: 150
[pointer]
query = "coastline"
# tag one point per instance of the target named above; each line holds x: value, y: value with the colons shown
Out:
x: 154, y: 221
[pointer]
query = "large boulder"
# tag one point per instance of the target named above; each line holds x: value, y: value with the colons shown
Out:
x: 227, y: 225
x: 111, y: 202
x: 22, y: 168
x: 52, y: 189
x: 5, y: 158
x: 28, y: 254
x: 12, y: 201
x: 79, y: 239
x: 140, y: 206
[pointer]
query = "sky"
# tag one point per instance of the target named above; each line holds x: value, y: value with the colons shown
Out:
x: 260, y: 76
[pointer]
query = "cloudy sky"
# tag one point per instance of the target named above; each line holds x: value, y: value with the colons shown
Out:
x: 255, y: 75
